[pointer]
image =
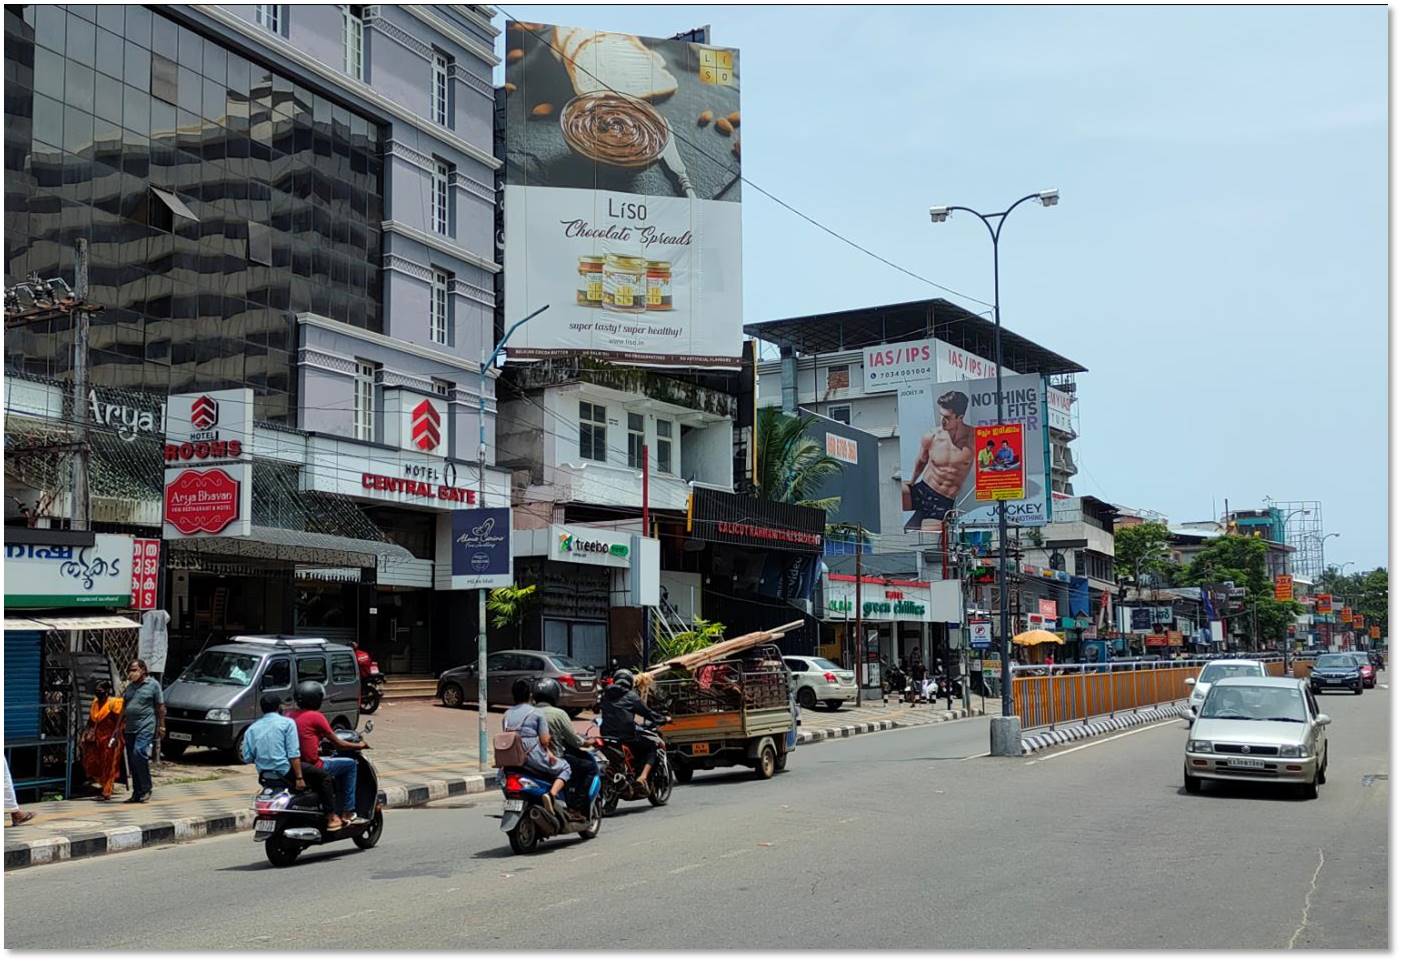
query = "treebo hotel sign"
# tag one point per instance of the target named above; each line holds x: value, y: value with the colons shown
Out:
x: 591, y: 546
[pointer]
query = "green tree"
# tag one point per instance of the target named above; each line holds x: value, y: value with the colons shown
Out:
x: 1144, y: 548
x: 1232, y: 557
x: 508, y: 607
x: 792, y: 466
x: 1273, y: 619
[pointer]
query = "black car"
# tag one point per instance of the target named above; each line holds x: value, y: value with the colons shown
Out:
x: 1336, y: 670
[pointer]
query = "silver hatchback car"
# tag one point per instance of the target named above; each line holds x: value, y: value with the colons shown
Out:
x: 1258, y: 730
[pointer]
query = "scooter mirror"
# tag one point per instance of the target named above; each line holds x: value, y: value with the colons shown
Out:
x: 369, y: 726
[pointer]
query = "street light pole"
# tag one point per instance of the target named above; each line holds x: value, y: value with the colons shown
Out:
x: 1006, y: 739
x: 487, y: 362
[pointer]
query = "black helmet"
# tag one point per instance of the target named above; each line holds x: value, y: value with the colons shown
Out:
x: 623, y: 679
x: 547, y: 690
x: 309, y: 695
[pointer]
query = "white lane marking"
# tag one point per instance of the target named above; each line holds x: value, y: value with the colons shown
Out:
x: 560, y: 905
x: 735, y: 852
x: 580, y: 858
x: 686, y: 868
x: 1080, y: 748
x: 969, y: 758
x: 1308, y: 902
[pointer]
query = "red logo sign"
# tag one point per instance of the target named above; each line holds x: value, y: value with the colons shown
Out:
x: 425, y: 426
x: 204, y: 501
x: 204, y: 412
x: 145, y: 572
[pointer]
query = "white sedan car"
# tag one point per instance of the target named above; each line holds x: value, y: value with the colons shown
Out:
x: 819, y: 680
x: 1214, y: 671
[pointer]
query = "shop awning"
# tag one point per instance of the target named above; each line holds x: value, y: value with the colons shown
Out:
x: 303, y: 547
x: 74, y: 623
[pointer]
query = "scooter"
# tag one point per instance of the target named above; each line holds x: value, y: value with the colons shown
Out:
x: 289, y: 822
x: 525, y: 821
x: 371, y: 690
x: 620, y: 771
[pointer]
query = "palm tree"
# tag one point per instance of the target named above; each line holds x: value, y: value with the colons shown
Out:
x: 508, y: 607
x: 792, y: 466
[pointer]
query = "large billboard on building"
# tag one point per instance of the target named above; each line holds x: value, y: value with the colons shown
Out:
x: 937, y: 456
x: 858, y: 483
x: 622, y: 196
x: 890, y: 367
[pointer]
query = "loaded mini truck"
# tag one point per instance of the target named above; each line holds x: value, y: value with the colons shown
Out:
x: 729, y: 713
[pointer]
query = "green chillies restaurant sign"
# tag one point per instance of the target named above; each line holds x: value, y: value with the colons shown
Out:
x: 881, y: 600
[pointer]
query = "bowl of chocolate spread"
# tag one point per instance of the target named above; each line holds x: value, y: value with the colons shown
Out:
x: 615, y: 129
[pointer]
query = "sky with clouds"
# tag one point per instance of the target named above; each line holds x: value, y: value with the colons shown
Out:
x: 1219, y: 257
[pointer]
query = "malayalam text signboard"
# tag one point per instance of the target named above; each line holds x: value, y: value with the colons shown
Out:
x: 66, y: 576
x: 1284, y: 588
x: 622, y: 196
x: 145, y: 572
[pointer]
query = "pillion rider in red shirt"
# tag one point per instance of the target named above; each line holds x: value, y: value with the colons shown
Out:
x: 312, y: 726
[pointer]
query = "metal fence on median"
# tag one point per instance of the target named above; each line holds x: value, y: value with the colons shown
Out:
x: 1053, y: 694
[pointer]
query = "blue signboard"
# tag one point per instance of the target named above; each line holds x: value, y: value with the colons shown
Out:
x: 481, y: 548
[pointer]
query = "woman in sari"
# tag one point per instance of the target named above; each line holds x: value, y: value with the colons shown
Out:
x: 102, y: 739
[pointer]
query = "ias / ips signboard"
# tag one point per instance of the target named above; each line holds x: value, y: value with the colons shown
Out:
x: 622, y: 196
x: 481, y: 548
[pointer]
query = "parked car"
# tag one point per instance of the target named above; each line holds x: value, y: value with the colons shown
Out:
x: 819, y: 680
x: 214, y: 700
x: 1336, y: 669
x: 1369, y: 670
x: 1258, y: 729
x: 1214, y: 671
x: 578, y: 684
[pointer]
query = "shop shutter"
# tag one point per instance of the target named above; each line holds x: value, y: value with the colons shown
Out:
x: 22, y: 650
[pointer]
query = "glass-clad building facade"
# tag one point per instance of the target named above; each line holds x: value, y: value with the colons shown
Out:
x: 220, y: 199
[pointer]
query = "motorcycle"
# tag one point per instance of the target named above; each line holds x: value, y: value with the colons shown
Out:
x: 619, y: 771
x: 289, y: 822
x: 371, y: 690
x: 525, y: 821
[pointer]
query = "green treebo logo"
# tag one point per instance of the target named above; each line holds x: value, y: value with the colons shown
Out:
x: 568, y: 544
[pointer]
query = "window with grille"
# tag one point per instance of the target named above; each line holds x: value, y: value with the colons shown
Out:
x: 442, y: 184
x: 269, y: 17
x: 593, y: 431
x: 637, y: 437
x: 445, y: 388
x: 355, y: 41
x: 439, y: 321
x: 440, y: 88
x: 664, y: 439
x: 840, y: 412
x: 365, y: 400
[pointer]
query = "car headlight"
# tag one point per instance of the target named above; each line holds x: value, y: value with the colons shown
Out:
x: 1291, y: 751
x: 217, y: 714
x: 1196, y: 746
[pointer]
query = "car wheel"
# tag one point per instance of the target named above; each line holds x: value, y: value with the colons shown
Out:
x: 807, y: 698
x: 1192, y: 783
x: 1310, y: 789
x: 1323, y: 769
x: 833, y: 704
x: 1358, y: 689
x: 452, y: 696
x: 573, y: 712
x: 173, y: 750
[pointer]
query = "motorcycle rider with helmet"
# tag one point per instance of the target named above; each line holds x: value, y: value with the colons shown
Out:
x: 582, y: 765
x: 324, y: 774
x: 620, y: 704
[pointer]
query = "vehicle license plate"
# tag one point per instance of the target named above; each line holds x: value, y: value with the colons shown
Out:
x: 700, y: 748
x: 180, y: 736
x: 515, y: 804
x: 1247, y: 763
x: 265, y: 825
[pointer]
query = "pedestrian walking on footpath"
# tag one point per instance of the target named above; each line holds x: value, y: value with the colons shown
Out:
x: 143, y: 722
x: 17, y: 816
x: 102, y: 742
